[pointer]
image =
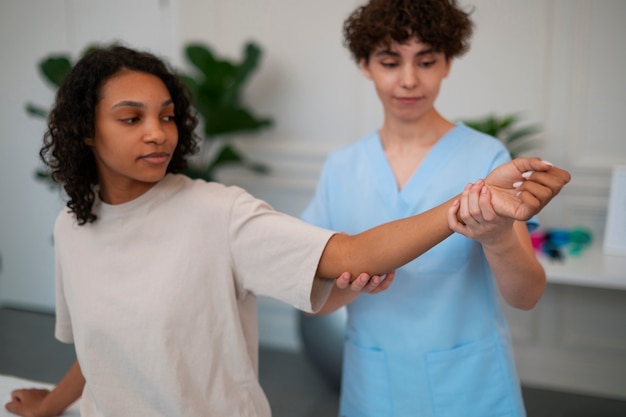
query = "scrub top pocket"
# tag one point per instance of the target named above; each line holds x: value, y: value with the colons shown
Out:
x: 469, y: 381
x: 371, y: 399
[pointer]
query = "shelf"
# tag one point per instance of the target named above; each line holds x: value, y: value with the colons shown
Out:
x: 591, y: 269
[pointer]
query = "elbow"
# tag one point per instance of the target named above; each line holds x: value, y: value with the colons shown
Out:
x: 528, y: 299
x: 525, y: 305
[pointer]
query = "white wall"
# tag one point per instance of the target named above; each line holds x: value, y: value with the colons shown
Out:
x: 557, y: 62
x: 29, y: 31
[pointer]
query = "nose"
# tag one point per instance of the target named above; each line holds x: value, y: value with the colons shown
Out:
x: 409, y: 77
x: 155, y: 133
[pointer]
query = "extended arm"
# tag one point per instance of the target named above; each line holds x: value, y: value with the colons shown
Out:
x: 514, y: 194
x: 45, y: 403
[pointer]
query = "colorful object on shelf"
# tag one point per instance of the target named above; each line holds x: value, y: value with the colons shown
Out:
x: 557, y: 243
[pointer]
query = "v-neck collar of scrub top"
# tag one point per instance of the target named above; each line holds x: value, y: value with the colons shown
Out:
x: 433, y: 162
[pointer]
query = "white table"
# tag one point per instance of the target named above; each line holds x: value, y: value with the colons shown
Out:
x: 10, y: 383
x: 591, y: 269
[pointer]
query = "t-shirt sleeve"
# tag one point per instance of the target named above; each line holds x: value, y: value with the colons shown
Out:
x: 63, y: 323
x: 277, y: 255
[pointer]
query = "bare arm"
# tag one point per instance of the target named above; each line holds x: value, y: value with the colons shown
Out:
x: 514, y: 194
x: 386, y: 247
x: 45, y: 403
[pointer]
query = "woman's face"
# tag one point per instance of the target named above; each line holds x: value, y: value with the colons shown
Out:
x: 407, y: 78
x: 135, y: 135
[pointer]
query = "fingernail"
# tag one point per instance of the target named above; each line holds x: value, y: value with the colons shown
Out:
x: 527, y: 174
x: 547, y: 163
x: 518, y: 184
x: 483, y: 190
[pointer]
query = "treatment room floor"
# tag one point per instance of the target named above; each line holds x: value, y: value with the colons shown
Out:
x: 294, y: 388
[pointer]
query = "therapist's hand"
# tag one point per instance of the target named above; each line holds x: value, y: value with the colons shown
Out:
x: 365, y: 283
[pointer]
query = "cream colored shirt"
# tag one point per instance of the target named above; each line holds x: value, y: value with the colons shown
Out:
x: 159, y: 297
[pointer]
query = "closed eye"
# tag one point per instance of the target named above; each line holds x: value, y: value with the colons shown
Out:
x: 389, y: 64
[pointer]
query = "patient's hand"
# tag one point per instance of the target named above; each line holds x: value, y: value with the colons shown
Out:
x: 27, y: 402
x: 524, y: 186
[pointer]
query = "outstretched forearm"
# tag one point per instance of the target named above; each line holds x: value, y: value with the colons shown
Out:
x: 517, y: 190
x: 386, y: 247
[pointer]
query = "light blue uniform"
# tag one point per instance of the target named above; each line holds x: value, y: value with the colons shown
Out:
x: 436, y: 342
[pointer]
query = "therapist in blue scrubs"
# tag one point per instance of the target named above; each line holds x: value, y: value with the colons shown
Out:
x: 436, y: 342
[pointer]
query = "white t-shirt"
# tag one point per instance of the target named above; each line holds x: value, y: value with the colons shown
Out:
x: 158, y: 295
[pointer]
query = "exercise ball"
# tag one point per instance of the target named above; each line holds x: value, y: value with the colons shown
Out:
x: 323, y: 338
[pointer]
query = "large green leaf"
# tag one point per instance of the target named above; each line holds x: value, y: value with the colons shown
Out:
x: 252, y: 56
x: 55, y: 68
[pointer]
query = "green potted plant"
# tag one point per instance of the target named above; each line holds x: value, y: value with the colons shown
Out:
x: 216, y: 89
x: 516, y: 139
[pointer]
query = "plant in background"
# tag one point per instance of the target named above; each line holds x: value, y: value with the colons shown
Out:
x: 517, y: 139
x: 53, y: 69
x: 216, y: 91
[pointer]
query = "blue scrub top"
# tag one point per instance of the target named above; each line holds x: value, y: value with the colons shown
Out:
x: 436, y: 342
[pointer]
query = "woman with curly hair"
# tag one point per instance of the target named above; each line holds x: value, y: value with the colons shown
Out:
x: 157, y: 274
x: 436, y: 342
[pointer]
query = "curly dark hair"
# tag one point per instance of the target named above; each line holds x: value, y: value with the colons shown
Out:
x: 439, y: 23
x: 72, y: 120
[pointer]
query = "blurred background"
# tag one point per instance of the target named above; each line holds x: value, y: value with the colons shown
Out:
x: 557, y: 64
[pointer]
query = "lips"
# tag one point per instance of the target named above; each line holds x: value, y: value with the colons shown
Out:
x: 156, y: 158
x: 408, y: 100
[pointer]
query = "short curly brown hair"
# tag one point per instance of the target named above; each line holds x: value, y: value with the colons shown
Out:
x: 72, y: 120
x: 441, y: 24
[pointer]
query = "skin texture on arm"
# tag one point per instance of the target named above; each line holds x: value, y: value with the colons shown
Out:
x: 513, y: 193
x: 45, y: 403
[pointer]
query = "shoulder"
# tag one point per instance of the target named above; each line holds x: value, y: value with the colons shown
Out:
x: 474, y: 137
x: 352, y: 153
x: 65, y: 220
x: 181, y: 188
x: 197, y: 195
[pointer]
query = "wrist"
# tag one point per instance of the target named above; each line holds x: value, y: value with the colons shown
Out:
x: 501, y: 242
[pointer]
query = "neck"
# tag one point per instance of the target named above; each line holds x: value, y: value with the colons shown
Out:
x: 120, y: 193
x: 423, y: 132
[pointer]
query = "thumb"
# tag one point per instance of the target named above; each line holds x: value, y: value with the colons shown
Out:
x: 13, y: 406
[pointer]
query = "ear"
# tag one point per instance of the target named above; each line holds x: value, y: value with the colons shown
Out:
x: 365, y: 68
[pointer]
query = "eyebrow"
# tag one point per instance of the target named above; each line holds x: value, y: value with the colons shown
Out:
x: 389, y: 52
x: 139, y: 105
